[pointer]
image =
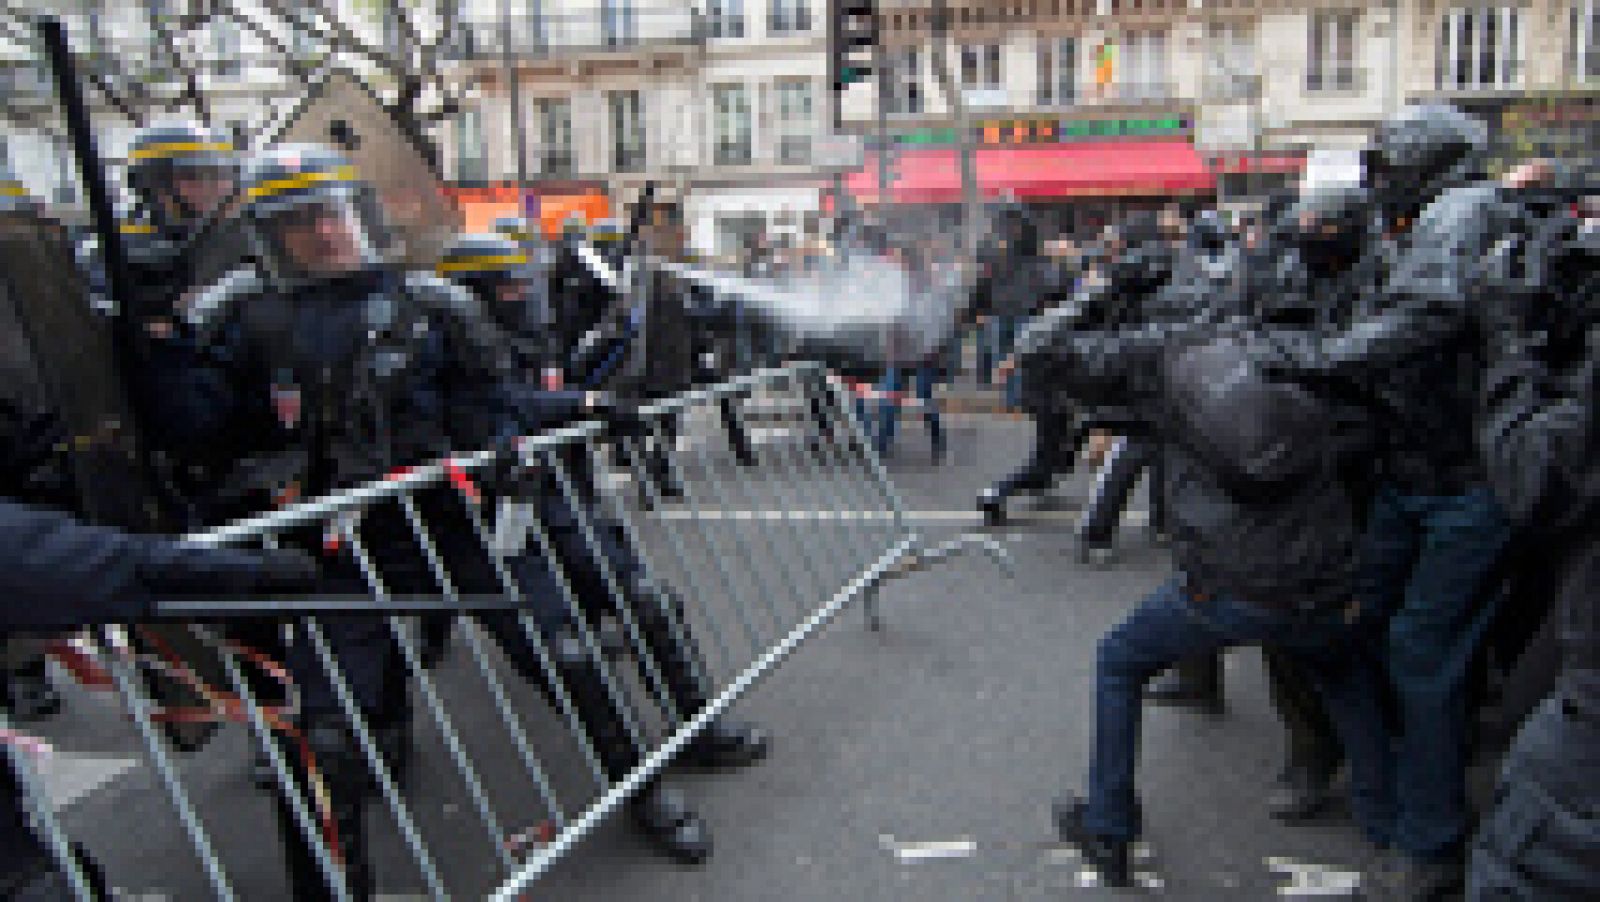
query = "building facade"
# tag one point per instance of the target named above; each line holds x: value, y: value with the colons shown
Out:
x: 717, y: 103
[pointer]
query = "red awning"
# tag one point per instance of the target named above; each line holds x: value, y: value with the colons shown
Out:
x: 1089, y: 169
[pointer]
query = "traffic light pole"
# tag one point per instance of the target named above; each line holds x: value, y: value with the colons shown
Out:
x: 958, y: 112
x: 881, y: 69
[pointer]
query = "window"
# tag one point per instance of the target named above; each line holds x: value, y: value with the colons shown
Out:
x: 621, y: 23
x: 980, y: 66
x: 1058, y: 71
x: 1479, y: 47
x: 795, y: 121
x: 787, y: 16
x: 471, y: 165
x: 554, y: 116
x: 225, y: 48
x: 627, y: 131
x: 1586, y: 40
x: 730, y: 125
x: 905, y: 82
x: 1141, y: 71
x: 1331, y: 51
x: 725, y: 18
x: 1230, y: 61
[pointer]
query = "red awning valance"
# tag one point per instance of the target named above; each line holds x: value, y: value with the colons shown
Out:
x: 1089, y: 169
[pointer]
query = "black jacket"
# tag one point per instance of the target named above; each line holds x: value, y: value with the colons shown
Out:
x: 1254, y: 496
x: 1540, y: 441
x: 1414, y: 349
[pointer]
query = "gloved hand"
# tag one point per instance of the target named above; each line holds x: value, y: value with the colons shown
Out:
x: 622, y: 418
x: 179, y: 569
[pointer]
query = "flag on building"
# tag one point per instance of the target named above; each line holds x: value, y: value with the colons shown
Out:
x: 1105, y: 65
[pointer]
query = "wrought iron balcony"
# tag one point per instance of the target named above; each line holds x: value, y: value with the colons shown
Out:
x: 606, y: 29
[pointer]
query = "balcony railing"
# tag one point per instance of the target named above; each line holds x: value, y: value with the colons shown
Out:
x: 605, y: 29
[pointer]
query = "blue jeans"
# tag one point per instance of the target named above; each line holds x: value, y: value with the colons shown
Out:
x: 1170, y: 625
x: 1426, y: 564
x: 923, y: 378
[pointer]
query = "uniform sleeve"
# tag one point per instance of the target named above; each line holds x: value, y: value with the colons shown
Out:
x: 59, y: 573
x: 1538, y: 435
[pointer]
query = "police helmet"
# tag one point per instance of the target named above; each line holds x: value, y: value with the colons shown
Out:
x: 1421, y: 150
x: 501, y: 273
x: 1209, y: 233
x: 311, y: 216
x: 516, y: 228
x: 1331, y: 225
x: 14, y: 196
x: 181, y: 171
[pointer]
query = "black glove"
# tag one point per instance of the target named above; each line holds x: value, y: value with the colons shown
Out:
x: 622, y: 418
x: 178, y: 569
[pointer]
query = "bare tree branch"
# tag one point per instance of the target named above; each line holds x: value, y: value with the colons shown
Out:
x: 191, y: 82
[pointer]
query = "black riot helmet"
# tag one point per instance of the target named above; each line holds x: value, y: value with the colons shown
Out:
x: 496, y: 269
x: 1331, y: 226
x: 181, y: 172
x: 1418, y: 153
x: 518, y: 229
x: 1209, y: 233
x: 311, y: 216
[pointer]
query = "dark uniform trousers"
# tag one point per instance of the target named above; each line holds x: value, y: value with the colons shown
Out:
x: 1129, y: 459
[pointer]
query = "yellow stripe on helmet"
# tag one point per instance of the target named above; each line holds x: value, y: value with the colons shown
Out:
x: 303, y: 180
x: 175, y: 148
x: 137, y: 228
x: 13, y: 189
x: 471, y: 263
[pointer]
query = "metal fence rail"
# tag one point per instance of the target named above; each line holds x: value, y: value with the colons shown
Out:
x: 655, y: 555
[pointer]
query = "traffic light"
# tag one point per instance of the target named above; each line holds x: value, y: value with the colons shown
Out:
x: 852, y: 34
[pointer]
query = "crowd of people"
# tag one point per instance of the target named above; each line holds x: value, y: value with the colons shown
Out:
x: 1367, y: 411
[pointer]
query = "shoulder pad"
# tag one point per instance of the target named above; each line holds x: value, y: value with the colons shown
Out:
x: 436, y: 293
x: 212, y: 305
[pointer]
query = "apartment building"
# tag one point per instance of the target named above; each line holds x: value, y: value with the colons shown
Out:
x: 1089, y: 105
x: 244, y: 81
x: 717, y: 102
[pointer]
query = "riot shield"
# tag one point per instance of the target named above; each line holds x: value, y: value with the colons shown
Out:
x: 51, y: 330
x: 342, y: 112
x: 56, y: 348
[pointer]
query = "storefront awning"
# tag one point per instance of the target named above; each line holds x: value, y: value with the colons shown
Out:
x: 1087, y: 169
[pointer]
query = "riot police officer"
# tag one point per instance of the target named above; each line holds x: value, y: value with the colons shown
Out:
x: 585, y: 544
x: 322, y: 368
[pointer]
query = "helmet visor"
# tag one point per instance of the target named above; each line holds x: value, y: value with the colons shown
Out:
x: 318, y: 238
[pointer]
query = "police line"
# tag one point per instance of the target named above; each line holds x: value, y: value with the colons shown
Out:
x: 747, y: 594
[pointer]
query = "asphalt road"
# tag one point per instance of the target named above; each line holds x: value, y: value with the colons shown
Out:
x: 913, y: 763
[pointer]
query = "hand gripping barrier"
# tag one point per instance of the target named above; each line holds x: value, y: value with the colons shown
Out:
x: 661, y: 570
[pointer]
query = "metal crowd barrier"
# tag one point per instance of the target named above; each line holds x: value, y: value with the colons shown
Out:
x: 763, y: 552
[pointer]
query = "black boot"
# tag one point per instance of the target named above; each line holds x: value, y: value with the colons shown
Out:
x: 1108, y: 856
x: 1193, y: 682
x: 725, y: 744
x: 341, y: 771
x: 663, y: 817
